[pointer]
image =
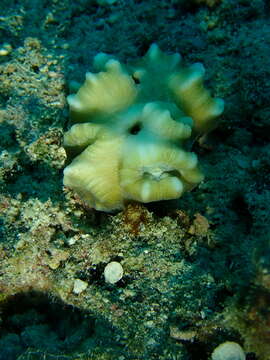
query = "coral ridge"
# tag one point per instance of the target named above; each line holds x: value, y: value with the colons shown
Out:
x: 134, y: 123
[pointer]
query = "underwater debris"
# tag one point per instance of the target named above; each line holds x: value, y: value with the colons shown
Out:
x: 79, y: 286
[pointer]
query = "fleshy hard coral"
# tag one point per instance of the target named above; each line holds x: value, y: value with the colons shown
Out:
x: 135, y: 121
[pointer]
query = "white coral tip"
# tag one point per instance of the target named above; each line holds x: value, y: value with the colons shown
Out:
x: 90, y: 77
x: 219, y: 107
x: 113, y: 65
x: 199, y: 69
x: 73, y: 102
x: 153, y: 51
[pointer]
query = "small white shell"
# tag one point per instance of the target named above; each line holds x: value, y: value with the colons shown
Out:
x: 113, y: 272
x: 228, y: 350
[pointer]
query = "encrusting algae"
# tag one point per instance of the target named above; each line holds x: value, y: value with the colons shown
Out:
x: 135, y: 123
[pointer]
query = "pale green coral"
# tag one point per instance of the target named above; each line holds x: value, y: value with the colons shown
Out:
x: 136, y: 120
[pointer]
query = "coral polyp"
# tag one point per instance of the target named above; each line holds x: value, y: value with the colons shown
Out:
x: 135, y: 121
